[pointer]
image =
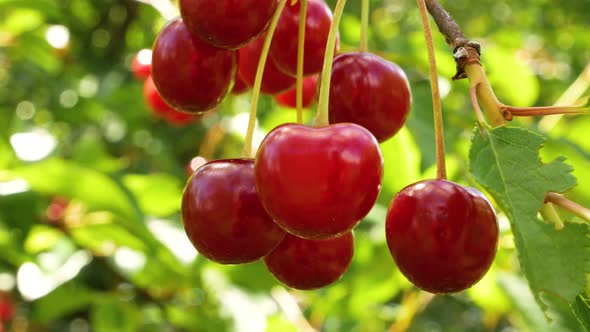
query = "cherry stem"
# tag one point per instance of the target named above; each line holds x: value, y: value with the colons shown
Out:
x: 322, y: 117
x: 571, y: 206
x: 364, y: 46
x: 247, y: 151
x: 300, y: 53
x: 510, y: 111
x: 550, y: 214
x: 441, y: 169
x: 165, y: 7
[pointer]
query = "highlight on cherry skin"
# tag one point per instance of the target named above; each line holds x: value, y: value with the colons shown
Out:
x: 227, y: 24
x: 190, y: 74
x: 222, y: 215
x: 141, y: 64
x: 442, y: 236
x: 370, y: 91
x: 310, y: 264
x: 319, y: 182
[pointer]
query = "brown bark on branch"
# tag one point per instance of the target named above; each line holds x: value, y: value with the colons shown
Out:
x: 465, y: 51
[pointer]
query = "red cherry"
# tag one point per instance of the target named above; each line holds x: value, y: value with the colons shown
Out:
x: 240, y: 86
x: 190, y: 75
x: 227, y: 24
x: 442, y: 236
x: 141, y: 64
x: 289, y: 98
x: 222, y: 214
x: 309, y: 264
x: 273, y: 81
x: 285, y: 42
x: 6, y: 308
x: 370, y: 91
x: 161, y: 108
x: 318, y: 182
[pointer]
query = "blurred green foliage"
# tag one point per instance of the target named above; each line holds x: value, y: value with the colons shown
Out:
x: 73, y: 124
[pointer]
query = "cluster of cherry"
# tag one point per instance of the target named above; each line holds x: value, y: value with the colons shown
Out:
x: 295, y: 205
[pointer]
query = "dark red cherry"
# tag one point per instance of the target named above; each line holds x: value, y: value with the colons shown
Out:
x: 273, y: 81
x: 240, y: 85
x: 222, y: 214
x: 141, y: 64
x: 370, y: 91
x: 283, y: 50
x: 161, y: 109
x: 289, y: 97
x: 191, y: 75
x: 227, y: 23
x: 442, y: 236
x: 310, y: 264
x: 318, y: 182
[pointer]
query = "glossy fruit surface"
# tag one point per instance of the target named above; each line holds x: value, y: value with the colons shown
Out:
x: 222, y: 214
x: 318, y: 182
x: 190, y: 75
x: 141, y: 64
x: 227, y: 23
x: 161, y: 109
x: 285, y: 42
x: 442, y: 236
x: 289, y: 97
x: 240, y: 85
x: 370, y: 91
x: 273, y: 80
x: 309, y: 264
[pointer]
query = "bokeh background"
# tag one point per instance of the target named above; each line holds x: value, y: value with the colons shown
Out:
x: 90, y: 180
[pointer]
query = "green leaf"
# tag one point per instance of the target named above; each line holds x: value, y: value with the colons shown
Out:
x: 157, y: 194
x: 508, y: 165
x: 113, y: 315
x: 64, y: 300
x: 60, y: 177
x: 581, y: 309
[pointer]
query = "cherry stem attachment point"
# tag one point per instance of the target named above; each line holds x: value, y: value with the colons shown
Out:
x: 441, y: 170
x: 571, y: 206
x: 300, y: 53
x: 247, y: 151
x: 322, y: 117
x: 364, y: 46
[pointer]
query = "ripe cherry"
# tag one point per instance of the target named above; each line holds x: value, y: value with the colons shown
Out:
x: 370, y: 91
x: 442, y: 236
x: 141, y: 64
x: 227, y: 24
x: 240, y: 85
x: 285, y: 42
x: 318, y: 182
x: 190, y: 75
x: 289, y: 97
x: 310, y: 264
x: 222, y: 214
x: 161, y: 109
x: 273, y: 80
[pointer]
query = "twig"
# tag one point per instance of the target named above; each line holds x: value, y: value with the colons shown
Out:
x: 569, y: 205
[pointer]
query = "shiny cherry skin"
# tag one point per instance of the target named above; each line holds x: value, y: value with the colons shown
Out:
x: 285, y: 42
x: 191, y: 75
x: 442, y: 236
x: 289, y: 97
x: 227, y: 24
x: 161, y: 109
x: 222, y: 214
x: 273, y: 80
x: 141, y: 65
x: 370, y: 91
x: 318, y: 183
x: 309, y: 264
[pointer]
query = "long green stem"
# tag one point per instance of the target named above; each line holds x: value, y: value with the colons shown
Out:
x: 247, y: 151
x: 322, y: 117
x: 441, y: 170
x: 364, y: 47
x: 300, y: 53
x: 545, y: 110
